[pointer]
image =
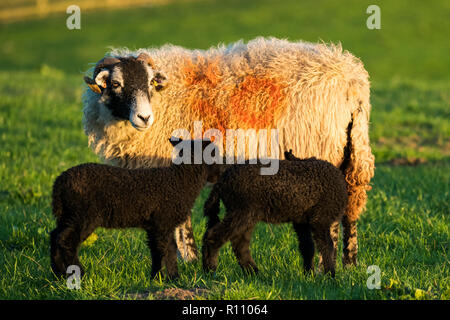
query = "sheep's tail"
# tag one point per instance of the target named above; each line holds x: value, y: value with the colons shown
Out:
x: 211, y: 208
x: 358, y: 164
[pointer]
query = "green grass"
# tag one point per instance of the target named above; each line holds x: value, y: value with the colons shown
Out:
x: 405, y: 230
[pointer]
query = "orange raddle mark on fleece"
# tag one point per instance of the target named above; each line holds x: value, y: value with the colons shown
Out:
x: 254, y: 103
x: 257, y: 102
x: 211, y: 116
x: 202, y: 72
x: 203, y: 75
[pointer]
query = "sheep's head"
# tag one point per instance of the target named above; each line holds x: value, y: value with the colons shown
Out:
x: 127, y: 86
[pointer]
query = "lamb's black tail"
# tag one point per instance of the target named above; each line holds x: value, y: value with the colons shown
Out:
x: 211, y: 208
x: 57, y: 205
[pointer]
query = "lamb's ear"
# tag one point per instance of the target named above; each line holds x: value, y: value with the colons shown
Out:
x: 159, y: 81
x: 288, y: 155
x: 92, y: 85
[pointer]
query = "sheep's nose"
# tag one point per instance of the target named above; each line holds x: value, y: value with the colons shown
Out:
x: 143, y: 118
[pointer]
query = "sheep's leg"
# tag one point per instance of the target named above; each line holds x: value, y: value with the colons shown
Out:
x: 306, y: 245
x: 322, y: 237
x: 231, y: 226
x: 185, y: 241
x: 241, y: 249
x: 350, y: 240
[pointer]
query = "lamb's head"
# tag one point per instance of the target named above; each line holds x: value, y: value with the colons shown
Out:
x: 198, y: 152
x: 126, y: 86
x: 288, y: 155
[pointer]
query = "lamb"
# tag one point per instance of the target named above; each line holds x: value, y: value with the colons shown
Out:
x: 158, y: 200
x: 310, y: 193
x: 313, y: 93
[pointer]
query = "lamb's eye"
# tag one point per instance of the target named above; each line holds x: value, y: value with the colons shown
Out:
x: 115, y: 84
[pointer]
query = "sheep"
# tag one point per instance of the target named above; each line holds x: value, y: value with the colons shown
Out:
x: 311, y: 93
x: 157, y: 200
x: 310, y: 193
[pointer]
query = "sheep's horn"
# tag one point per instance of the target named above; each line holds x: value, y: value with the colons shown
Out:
x: 146, y: 58
x: 108, y: 61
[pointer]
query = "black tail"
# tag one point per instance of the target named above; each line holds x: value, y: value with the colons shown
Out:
x: 348, y: 148
x: 211, y: 208
x: 57, y: 205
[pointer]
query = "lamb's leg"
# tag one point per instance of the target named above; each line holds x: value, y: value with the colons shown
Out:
x: 306, y: 245
x: 65, y: 242
x: 334, y: 231
x: 350, y: 241
x: 241, y: 249
x: 156, y: 251
x: 170, y: 259
x: 162, y: 248
x: 230, y: 227
x: 185, y: 241
x: 322, y: 237
x: 56, y: 254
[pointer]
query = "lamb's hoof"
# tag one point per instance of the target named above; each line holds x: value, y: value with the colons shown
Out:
x: 59, y: 275
x: 209, y: 267
x: 173, y: 276
x: 250, y: 269
x: 309, y: 272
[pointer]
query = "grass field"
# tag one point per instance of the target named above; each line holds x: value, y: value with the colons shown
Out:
x: 405, y: 230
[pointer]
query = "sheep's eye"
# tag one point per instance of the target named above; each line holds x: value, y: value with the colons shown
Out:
x: 115, y: 84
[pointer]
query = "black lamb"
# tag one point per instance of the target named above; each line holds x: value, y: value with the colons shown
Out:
x: 158, y: 200
x: 310, y: 193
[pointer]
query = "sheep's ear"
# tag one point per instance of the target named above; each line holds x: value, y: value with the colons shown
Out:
x: 92, y: 85
x: 159, y: 81
x: 102, y: 78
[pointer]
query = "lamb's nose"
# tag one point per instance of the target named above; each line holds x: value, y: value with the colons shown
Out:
x: 145, y: 119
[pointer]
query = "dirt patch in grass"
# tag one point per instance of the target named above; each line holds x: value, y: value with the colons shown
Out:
x: 170, y: 294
